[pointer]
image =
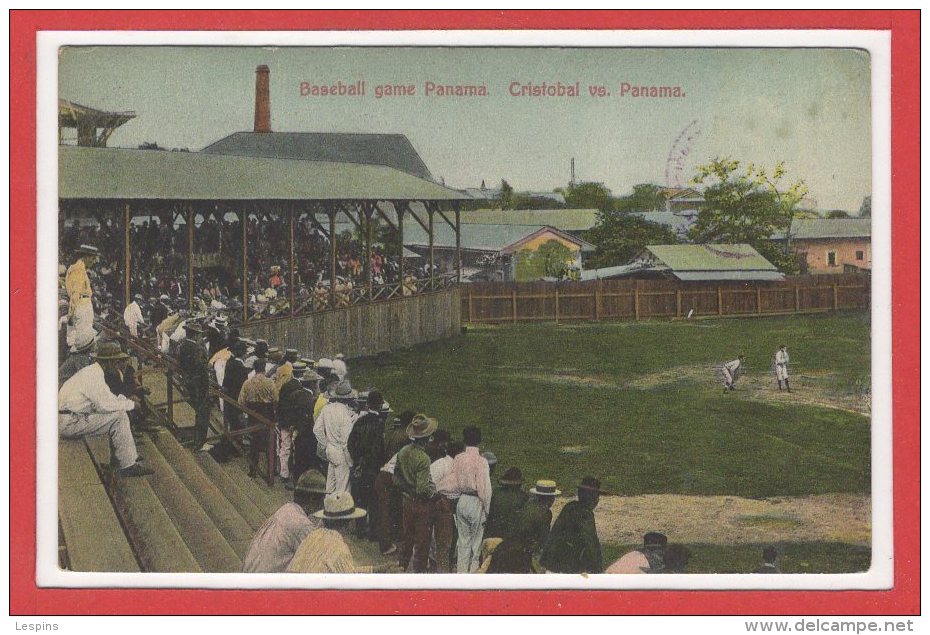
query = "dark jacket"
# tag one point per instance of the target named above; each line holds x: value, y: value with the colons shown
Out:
x: 534, y: 522
x: 158, y: 313
x: 512, y: 556
x: 506, y: 503
x: 235, y: 376
x: 195, y: 370
x: 295, y: 406
x: 573, y: 545
x: 366, y: 444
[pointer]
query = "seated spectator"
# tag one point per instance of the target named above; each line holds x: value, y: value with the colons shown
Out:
x: 573, y: 545
x: 506, y: 503
x: 650, y: 559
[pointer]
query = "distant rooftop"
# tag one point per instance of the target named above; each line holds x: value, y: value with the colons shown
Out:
x: 710, y: 262
x: 814, y: 228
x: 570, y: 220
x: 390, y: 150
x: 482, y: 237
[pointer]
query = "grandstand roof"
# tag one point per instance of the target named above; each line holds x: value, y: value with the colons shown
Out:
x: 71, y: 113
x: 390, y: 150
x: 111, y: 173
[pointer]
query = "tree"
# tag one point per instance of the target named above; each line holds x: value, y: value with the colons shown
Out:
x: 552, y: 259
x: 505, y: 198
x: 749, y: 206
x: 865, y: 210
x: 587, y: 195
x: 646, y: 197
x: 837, y: 213
x: 619, y: 236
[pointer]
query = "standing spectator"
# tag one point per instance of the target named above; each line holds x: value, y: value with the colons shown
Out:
x: 234, y: 375
x: 443, y: 505
x: 471, y: 477
x: 536, y: 516
x: 278, y: 538
x: 332, y: 429
x: 366, y: 447
x: 195, y: 374
x: 396, y: 437
x: 298, y: 408
x: 87, y: 407
x: 573, y: 545
x: 80, y: 293
x: 159, y: 310
x: 389, y: 519
x: 132, y: 315
x: 769, y: 561
x: 339, y: 366
x: 294, y: 408
x: 257, y: 393
x: 506, y: 503
x: 80, y: 355
x: 412, y: 478
x: 649, y: 559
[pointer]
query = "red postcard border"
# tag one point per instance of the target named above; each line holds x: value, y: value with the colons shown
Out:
x: 903, y: 599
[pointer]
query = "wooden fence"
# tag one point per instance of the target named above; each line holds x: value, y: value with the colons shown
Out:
x: 501, y: 302
x: 366, y: 329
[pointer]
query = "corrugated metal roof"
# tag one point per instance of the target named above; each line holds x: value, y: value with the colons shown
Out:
x: 391, y: 150
x: 611, y: 272
x: 814, y: 228
x: 564, y: 219
x: 478, y: 237
x: 725, y: 276
x: 680, y: 223
x: 738, y: 257
x: 112, y: 173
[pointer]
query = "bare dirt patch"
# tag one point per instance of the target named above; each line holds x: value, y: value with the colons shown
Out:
x: 729, y: 520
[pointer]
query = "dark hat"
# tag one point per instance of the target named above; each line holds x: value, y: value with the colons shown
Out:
x: 311, y: 482
x: 590, y: 483
x: 261, y: 344
x: 193, y: 326
x: 109, y: 350
x: 342, y: 390
x: 88, y: 250
x: 512, y: 476
x: 238, y: 347
x: 421, y: 427
x: 292, y: 353
x: 654, y: 540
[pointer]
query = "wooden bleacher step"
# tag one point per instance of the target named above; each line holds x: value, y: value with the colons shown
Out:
x: 197, y: 529
x: 92, y: 534
x: 268, y: 499
x: 154, y: 537
x: 243, y: 504
x: 227, y: 519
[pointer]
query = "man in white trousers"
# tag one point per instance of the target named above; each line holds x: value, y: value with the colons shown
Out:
x: 731, y: 373
x: 472, y: 481
x: 781, y: 367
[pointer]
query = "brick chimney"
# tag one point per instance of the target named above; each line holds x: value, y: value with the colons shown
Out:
x: 262, y: 100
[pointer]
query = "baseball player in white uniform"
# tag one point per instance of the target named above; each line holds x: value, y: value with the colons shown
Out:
x: 781, y: 367
x: 731, y: 373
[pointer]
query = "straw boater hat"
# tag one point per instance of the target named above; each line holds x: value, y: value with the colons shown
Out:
x: 545, y: 488
x: 109, y: 350
x: 490, y: 457
x: 325, y: 363
x: 340, y: 506
x: 422, y: 426
x: 87, y: 250
x: 298, y: 369
x: 84, y: 340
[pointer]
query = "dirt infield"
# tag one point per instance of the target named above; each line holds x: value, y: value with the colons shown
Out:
x: 730, y: 520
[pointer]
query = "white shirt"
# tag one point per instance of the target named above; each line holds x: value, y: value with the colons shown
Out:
x: 732, y: 366
x: 781, y: 357
x: 277, y: 539
x: 390, y: 465
x: 332, y: 429
x: 87, y: 392
x: 132, y: 316
x: 633, y: 562
x: 439, y: 470
x: 339, y: 367
x: 179, y: 333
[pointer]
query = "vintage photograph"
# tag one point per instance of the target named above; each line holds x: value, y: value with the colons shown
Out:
x: 550, y: 311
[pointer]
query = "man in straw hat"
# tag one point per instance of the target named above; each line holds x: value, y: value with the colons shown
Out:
x: 79, y: 356
x: 278, y: 538
x: 325, y: 550
x: 506, y: 503
x: 80, y: 293
x: 412, y: 479
x: 649, y: 559
x: 87, y: 407
x: 535, y: 518
x: 332, y: 428
x: 366, y: 446
x: 195, y: 375
x: 573, y: 545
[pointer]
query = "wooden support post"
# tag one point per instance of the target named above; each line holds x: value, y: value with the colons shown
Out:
x: 470, y: 308
x: 758, y: 299
x: 244, y: 216
x: 400, y: 231
x: 513, y: 306
x: 369, y: 274
x: 429, y: 213
x: 597, y: 302
x: 556, y: 306
x: 190, y: 258
x: 635, y: 303
x: 677, y: 302
x: 332, y: 259
x: 719, y: 301
x: 458, y: 241
x: 127, y: 257
x: 836, y: 297
x: 797, y: 299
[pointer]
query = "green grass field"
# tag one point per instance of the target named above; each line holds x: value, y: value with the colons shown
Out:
x: 639, y: 405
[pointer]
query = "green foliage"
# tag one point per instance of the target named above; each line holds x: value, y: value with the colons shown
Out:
x: 551, y: 260
x: 537, y: 388
x: 865, y: 210
x: 587, y: 195
x: 618, y: 237
x: 646, y: 197
x: 748, y: 206
x: 837, y: 213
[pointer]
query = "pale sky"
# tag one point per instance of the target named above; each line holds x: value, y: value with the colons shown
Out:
x: 807, y: 107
